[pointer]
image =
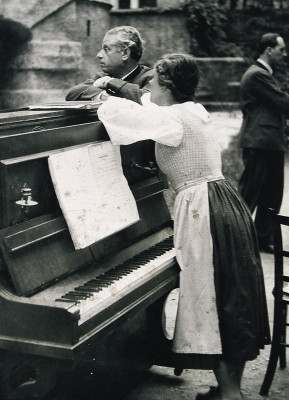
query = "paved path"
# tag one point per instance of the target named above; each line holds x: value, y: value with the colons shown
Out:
x: 227, y: 124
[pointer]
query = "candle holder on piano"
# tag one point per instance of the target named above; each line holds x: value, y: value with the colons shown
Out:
x: 26, y: 200
x: 151, y: 168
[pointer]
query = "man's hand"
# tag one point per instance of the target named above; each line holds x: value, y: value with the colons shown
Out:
x: 101, y: 83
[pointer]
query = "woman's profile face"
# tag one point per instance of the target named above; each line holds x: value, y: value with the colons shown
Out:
x: 157, y: 91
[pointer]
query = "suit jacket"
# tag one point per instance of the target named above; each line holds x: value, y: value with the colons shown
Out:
x: 132, y: 87
x: 264, y: 108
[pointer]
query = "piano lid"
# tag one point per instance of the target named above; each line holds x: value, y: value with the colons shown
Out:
x: 24, y: 120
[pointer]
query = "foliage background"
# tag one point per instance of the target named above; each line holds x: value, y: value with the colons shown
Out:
x: 218, y: 31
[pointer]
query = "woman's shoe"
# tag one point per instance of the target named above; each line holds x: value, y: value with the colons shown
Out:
x: 212, y: 394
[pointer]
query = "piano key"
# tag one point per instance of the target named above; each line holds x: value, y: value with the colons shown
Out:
x: 77, y: 295
x: 86, y: 289
x: 82, y: 293
x: 68, y: 297
x: 98, y: 282
x: 93, y: 285
x: 115, y: 276
x: 65, y: 300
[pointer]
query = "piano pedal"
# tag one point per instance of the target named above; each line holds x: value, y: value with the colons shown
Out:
x: 178, y: 371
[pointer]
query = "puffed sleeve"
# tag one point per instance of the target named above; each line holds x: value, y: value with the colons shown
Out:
x: 128, y: 122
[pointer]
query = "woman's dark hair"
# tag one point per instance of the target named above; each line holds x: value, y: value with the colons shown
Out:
x: 180, y: 74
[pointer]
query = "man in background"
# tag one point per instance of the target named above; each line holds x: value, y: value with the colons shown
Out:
x: 263, y: 136
x: 121, y: 75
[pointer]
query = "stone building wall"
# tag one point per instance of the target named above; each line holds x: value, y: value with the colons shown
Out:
x: 163, y: 32
x: 30, y: 12
x: 65, y: 38
x: 220, y: 81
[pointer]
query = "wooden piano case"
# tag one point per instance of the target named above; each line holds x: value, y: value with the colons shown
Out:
x: 42, y: 330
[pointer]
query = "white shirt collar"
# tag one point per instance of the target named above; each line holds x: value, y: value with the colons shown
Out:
x: 266, y: 65
x: 129, y: 73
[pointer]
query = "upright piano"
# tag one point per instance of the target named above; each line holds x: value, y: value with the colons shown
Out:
x: 62, y: 308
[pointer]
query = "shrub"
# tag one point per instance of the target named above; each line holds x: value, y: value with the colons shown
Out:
x: 207, y: 24
x: 217, y: 31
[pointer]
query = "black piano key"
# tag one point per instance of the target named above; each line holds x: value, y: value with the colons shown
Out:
x: 96, y: 284
x: 106, y: 279
x: 76, y: 295
x: 130, y: 268
x: 97, y: 288
x: 92, y: 285
x: 115, y: 277
x: 157, y: 251
x: 101, y: 282
x: 86, y: 289
x: 135, y: 265
x: 82, y: 293
x: 144, y: 256
x: 66, y: 300
x: 102, y: 277
x: 142, y: 260
x: 69, y: 297
x: 124, y: 272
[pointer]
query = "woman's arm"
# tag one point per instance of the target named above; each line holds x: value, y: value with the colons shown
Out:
x: 127, y: 122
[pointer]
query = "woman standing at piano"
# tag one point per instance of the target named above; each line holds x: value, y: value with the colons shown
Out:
x: 222, y: 313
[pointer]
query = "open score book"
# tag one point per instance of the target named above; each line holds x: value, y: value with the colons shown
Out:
x: 92, y: 191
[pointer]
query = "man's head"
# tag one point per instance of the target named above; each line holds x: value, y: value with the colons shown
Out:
x: 272, y: 48
x: 122, y: 48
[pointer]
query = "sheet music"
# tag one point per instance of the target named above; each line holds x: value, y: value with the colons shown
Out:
x: 92, y: 191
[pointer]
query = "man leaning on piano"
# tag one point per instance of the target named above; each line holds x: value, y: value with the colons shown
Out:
x: 121, y: 74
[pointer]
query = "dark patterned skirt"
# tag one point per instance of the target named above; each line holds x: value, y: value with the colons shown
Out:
x: 239, y: 281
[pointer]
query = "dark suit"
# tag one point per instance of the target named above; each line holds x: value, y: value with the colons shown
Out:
x: 132, y: 87
x: 264, y: 141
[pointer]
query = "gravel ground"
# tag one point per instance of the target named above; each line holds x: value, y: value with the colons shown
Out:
x: 227, y: 125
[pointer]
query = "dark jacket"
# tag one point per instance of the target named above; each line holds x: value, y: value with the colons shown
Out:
x: 132, y: 87
x: 264, y: 108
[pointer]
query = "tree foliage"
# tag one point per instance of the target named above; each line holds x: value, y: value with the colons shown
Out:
x: 207, y: 24
x: 218, y: 31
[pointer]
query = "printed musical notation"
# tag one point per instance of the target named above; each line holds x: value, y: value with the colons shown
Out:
x: 92, y: 191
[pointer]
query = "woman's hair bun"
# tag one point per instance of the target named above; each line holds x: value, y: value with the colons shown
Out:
x: 180, y: 73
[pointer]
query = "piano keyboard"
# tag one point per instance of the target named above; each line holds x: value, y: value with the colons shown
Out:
x: 115, y: 282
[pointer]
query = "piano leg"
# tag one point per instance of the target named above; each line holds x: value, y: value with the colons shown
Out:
x: 26, y: 377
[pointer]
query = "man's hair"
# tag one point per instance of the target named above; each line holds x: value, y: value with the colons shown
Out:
x: 267, y: 40
x: 180, y: 74
x: 128, y: 36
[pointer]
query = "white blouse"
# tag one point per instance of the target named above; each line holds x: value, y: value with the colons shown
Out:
x: 127, y: 122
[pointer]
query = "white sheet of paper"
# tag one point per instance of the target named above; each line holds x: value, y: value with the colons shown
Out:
x: 92, y: 191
